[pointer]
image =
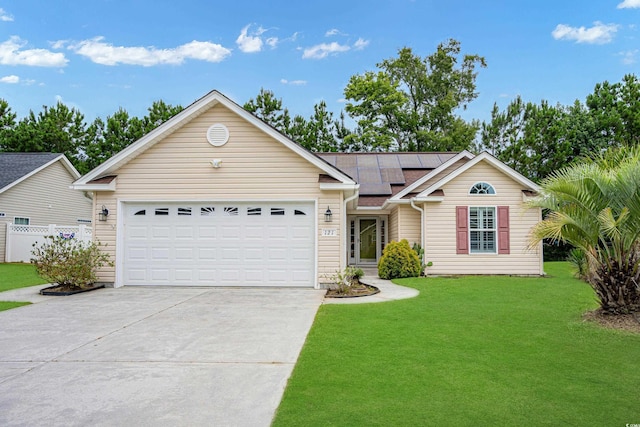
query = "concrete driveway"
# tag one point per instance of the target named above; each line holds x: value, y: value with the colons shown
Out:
x: 152, y: 356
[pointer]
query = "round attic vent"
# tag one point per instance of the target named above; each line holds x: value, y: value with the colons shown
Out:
x: 217, y: 134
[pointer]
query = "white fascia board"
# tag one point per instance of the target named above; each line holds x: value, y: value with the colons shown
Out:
x: 418, y: 183
x: 338, y: 186
x: 62, y: 158
x: 484, y: 156
x: 429, y: 199
x: 95, y: 187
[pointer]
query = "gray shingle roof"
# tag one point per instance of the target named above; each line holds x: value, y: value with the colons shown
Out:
x: 14, y: 166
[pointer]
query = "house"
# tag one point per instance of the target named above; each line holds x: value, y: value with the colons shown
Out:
x: 216, y: 197
x: 35, y: 189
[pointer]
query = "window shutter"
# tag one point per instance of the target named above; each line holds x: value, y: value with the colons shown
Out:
x: 503, y: 230
x: 462, y: 230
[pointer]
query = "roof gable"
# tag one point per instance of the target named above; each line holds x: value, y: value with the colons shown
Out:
x: 483, y: 157
x: 203, y: 104
x: 17, y: 167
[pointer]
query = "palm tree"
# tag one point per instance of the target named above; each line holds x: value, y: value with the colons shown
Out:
x: 595, y: 206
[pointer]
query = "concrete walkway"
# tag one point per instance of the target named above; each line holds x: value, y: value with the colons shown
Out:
x: 388, y: 291
x: 163, y: 356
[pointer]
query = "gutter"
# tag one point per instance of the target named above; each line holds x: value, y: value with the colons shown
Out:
x: 422, y: 243
x: 345, y: 257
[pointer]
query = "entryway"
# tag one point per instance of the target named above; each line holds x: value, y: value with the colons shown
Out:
x: 367, y: 238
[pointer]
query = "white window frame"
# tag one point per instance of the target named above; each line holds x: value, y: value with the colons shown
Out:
x: 495, y: 192
x: 16, y: 218
x: 479, y: 229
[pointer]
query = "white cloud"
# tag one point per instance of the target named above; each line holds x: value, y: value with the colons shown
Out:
x: 4, y: 16
x: 10, y: 54
x: 598, y: 34
x: 272, y: 42
x: 360, y: 44
x: 293, y: 82
x: 629, y: 4
x: 12, y: 79
x: 629, y: 57
x: 323, y: 50
x: 107, y: 54
x: 332, y: 32
x: 250, y: 42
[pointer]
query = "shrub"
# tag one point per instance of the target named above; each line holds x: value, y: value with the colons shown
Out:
x: 345, y: 279
x: 399, y: 260
x: 68, y: 262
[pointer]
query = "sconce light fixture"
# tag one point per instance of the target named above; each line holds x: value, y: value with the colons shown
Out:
x: 103, y: 214
x: 216, y: 163
x: 328, y: 215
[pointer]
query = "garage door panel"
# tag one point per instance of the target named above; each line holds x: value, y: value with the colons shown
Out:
x: 220, y: 244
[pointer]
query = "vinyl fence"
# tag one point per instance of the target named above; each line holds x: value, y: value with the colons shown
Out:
x: 21, y: 238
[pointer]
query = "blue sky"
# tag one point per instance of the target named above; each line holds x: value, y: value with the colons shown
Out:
x: 98, y: 55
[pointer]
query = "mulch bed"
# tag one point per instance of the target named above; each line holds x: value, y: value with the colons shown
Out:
x: 359, y: 290
x: 625, y: 322
x: 63, y: 290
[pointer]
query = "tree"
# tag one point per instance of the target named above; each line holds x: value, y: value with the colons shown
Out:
x: 410, y: 104
x: 616, y: 110
x: 7, y: 124
x: 269, y: 109
x: 595, y: 206
x: 56, y: 129
x: 105, y: 140
x: 159, y: 112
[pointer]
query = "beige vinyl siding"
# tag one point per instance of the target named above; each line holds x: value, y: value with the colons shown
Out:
x: 254, y: 167
x: 408, y: 224
x: 393, y: 225
x: 45, y: 198
x: 440, y: 227
x: 441, y: 175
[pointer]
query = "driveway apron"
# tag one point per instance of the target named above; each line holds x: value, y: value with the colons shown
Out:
x: 152, y: 356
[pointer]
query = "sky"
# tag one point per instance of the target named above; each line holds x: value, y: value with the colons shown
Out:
x: 100, y: 55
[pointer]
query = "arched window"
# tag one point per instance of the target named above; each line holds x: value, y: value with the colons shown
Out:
x: 482, y: 188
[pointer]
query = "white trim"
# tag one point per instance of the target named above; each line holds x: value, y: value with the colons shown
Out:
x: 65, y: 162
x: 461, y: 155
x: 96, y: 187
x: 338, y: 186
x: 208, y: 101
x: 119, y: 277
x: 484, y: 156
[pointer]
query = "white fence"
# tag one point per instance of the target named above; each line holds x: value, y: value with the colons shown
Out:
x: 21, y: 238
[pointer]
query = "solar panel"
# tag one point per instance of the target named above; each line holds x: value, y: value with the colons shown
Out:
x: 393, y: 176
x: 375, y: 189
x: 430, y: 161
x: 369, y: 176
x: 409, y: 161
x: 366, y: 160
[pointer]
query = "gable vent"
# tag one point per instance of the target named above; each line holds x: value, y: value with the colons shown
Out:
x: 217, y: 134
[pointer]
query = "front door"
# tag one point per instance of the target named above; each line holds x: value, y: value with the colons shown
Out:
x: 367, y: 240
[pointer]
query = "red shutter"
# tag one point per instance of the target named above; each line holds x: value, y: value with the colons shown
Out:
x: 503, y: 230
x: 462, y: 230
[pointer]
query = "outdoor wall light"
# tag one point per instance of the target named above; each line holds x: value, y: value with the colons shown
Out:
x: 328, y: 215
x: 216, y: 163
x: 103, y: 214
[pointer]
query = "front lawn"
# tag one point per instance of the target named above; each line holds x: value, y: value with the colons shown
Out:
x: 467, y: 351
x: 14, y: 276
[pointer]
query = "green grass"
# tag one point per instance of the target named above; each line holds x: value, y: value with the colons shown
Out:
x: 467, y: 351
x: 14, y: 276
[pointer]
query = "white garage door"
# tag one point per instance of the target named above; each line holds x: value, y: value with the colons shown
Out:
x: 219, y: 244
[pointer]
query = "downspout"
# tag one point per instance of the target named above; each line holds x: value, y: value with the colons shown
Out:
x: 422, y: 243
x: 345, y: 258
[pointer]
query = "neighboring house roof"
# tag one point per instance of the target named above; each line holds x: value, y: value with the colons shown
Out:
x: 213, y: 98
x: 17, y: 167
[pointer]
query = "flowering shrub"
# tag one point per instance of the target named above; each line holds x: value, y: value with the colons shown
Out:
x: 68, y: 261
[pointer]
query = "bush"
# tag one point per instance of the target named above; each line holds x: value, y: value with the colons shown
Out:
x: 344, y: 280
x: 399, y: 260
x: 68, y: 262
